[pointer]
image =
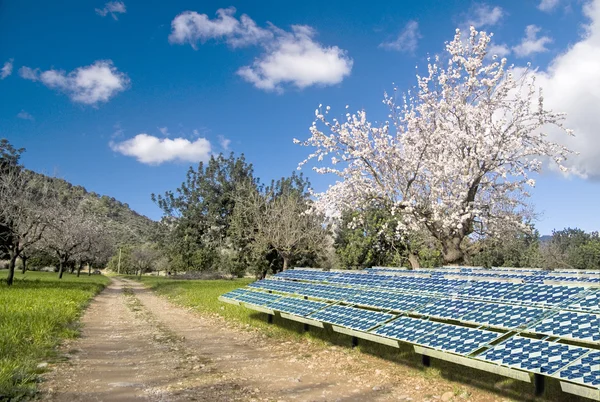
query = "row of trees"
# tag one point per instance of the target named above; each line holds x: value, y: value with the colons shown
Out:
x: 48, y: 220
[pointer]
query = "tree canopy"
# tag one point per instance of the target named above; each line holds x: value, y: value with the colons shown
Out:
x: 456, y: 156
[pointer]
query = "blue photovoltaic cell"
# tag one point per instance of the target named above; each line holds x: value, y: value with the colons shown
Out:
x: 449, y: 308
x: 487, y: 290
x: 533, y: 355
x: 328, y: 292
x: 534, y: 293
x: 569, y: 324
x: 351, y: 317
x: 235, y: 293
x: 503, y: 315
x: 586, y: 371
x: 293, y: 305
x: 407, y: 329
x: 461, y: 340
x: 279, y: 285
x: 305, y: 275
x: 591, y: 302
x: 257, y: 298
x: 388, y: 300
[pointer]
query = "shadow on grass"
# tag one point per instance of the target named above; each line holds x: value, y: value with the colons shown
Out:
x: 405, y: 356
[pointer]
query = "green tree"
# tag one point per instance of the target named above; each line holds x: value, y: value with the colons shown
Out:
x: 197, y: 215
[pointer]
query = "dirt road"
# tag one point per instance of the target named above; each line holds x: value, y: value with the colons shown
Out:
x: 136, y: 345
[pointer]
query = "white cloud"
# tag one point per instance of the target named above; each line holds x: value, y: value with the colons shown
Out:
x: 24, y: 115
x: 296, y: 59
x: 531, y: 44
x: 89, y: 85
x: 501, y: 50
x: 154, y: 151
x: 191, y: 27
x: 29, y: 73
x: 224, y: 142
x: 572, y: 85
x: 6, y: 69
x: 548, y: 5
x: 113, y: 8
x: 407, y: 40
x: 482, y: 14
x: 289, y: 57
x: 164, y: 130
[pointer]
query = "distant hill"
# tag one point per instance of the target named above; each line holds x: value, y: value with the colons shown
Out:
x: 131, y: 227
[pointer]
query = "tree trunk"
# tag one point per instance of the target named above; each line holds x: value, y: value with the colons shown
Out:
x: 89, y: 269
x: 24, y: 261
x: 451, y: 251
x: 79, y: 268
x: 413, y: 260
x: 60, y: 268
x: 286, y: 263
x: 71, y: 268
x: 11, y: 270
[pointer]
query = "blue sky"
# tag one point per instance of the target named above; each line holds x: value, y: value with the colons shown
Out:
x: 121, y: 97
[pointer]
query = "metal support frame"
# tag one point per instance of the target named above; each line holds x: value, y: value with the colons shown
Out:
x: 354, y: 341
x: 426, y: 360
x: 270, y: 318
x: 540, y: 384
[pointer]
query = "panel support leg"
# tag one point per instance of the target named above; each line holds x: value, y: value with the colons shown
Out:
x: 354, y: 341
x: 540, y: 383
x: 426, y: 360
x: 306, y: 327
x: 270, y: 318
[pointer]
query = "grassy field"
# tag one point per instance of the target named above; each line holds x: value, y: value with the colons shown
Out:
x: 36, y: 313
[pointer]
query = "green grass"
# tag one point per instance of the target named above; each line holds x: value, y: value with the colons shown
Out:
x: 36, y: 313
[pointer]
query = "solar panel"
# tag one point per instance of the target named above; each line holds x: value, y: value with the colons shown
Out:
x: 305, y: 275
x: 533, y: 293
x: 257, y: 298
x: 351, y: 317
x: 235, y: 293
x: 488, y: 290
x: 572, y: 325
x: 533, y: 355
x: 327, y: 292
x: 585, y: 371
x: 503, y: 315
x: 279, y: 285
x: 449, y: 308
x: 293, y: 305
x: 388, y: 300
x: 461, y: 340
x: 590, y: 302
x: 407, y: 329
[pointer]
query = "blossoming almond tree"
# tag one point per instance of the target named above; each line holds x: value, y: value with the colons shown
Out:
x: 457, y: 155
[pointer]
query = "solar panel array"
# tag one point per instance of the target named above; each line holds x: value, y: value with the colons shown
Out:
x: 543, y: 322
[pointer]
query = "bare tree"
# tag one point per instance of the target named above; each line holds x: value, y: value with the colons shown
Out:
x: 24, y: 217
x: 281, y: 221
x: 71, y: 233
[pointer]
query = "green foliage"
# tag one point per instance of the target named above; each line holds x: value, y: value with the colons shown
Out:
x: 512, y: 250
x: 371, y: 237
x: 572, y: 248
x: 197, y: 215
x: 35, y: 313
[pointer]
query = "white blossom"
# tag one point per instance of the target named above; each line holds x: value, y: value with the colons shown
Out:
x: 457, y: 153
